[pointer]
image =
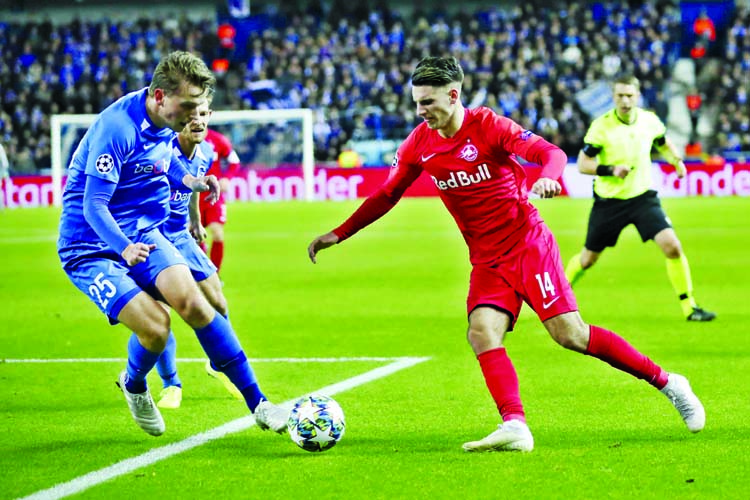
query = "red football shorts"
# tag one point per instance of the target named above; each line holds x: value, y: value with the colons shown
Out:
x: 532, y: 272
x: 213, y: 213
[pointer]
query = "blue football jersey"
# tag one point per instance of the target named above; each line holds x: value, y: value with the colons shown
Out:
x: 124, y: 147
x: 179, y: 199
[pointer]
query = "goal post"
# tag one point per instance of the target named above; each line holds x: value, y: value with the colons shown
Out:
x: 70, y: 139
x: 263, y: 139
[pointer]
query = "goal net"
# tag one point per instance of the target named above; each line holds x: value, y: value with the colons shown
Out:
x: 265, y: 140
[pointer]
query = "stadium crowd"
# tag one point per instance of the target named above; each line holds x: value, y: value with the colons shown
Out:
x: 350, y: 63
x: 732, y: 128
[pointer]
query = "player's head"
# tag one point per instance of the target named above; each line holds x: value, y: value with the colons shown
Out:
x: 180, y: 84
x: 436, y: 89
x: 626, y: 92
x: 197, y: 128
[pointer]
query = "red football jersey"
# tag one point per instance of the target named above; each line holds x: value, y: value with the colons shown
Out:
x: 478, y: 177
x: 223, y: 150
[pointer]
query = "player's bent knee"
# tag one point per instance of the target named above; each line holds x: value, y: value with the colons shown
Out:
x: 221, y: 306
x: 569, y: 331
x: 195, y: 310
x: 211, y: 289
x: 567, y: 341
x: 147, y: 318
x: 482, y: 340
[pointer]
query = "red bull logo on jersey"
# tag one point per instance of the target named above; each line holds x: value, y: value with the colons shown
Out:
x: 462, y: 179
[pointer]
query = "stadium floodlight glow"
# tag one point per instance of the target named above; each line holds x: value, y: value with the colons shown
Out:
x: 293, y: 128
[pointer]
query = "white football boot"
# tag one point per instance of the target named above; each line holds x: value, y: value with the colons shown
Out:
x: 271, y: 416
x: 142, y: 407
x: 681, y: 395
x: 512, y: 435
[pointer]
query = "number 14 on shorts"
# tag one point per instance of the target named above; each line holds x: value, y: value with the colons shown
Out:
x: 549, y: 294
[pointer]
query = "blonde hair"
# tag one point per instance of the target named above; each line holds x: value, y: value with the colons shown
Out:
x: 178, y: 68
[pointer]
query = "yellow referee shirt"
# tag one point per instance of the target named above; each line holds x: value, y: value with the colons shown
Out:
x: 626, y: 145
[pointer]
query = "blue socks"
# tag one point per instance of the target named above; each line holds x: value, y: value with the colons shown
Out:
x: 225, y: 352
x: 140, y: 362
x: 167, y: 363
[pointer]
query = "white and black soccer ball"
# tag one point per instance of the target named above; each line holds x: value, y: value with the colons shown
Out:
x: 105, y: 163
x: 316, y: 423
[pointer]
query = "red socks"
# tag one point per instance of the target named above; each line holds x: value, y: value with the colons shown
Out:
x: 613, y: 349
x: 502, y: 381
x: 217, y: 253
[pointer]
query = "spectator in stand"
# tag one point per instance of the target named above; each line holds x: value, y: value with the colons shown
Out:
x: 704, y: 27
x: 349, y: 158
x: 694, y: 101
x: 318, y: 59
x: 214, y: 216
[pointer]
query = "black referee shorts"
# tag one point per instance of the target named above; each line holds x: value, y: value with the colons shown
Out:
x: 609, y: 216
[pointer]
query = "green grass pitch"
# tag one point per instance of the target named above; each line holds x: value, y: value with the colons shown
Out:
x: 396, y: 289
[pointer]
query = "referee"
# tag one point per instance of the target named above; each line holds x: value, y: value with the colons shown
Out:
x: 617, y: 150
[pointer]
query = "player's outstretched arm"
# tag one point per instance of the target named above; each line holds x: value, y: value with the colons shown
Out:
x: 195, y: 228
x: 201, y: 184
x: 319, y: 243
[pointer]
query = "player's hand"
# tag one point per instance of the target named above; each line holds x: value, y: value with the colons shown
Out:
x: 135, y: 253
x: 681, y: 169
x: 197, y: 231
x: 202, y: 184
x: 620, y: 171
x: 224, y: 184
x: 546, y: 188
x: 319, y: 243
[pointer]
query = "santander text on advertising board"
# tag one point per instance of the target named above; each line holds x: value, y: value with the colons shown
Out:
x: 338, y: 184
x: 726, y: 180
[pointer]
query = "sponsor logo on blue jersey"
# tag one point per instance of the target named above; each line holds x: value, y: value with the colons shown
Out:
x: 180, y: 196
x: 158, y: 168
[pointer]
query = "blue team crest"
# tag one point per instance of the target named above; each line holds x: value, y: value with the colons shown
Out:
x: 526, y: 134
x: 469, y: 152
x: 105, y: 163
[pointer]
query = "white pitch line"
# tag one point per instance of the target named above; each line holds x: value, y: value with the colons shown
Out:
x: 203, y: 360
x: 82, y: 483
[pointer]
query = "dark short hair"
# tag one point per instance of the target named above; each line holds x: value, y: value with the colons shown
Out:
x: 180, y: 67
x: 437, y: 71
x: 628, y: 79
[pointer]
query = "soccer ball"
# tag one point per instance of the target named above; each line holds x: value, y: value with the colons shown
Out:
x: 316, y: 423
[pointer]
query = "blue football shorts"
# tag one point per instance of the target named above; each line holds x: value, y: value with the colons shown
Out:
x: 105, y: 277
x: 200, y: 265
